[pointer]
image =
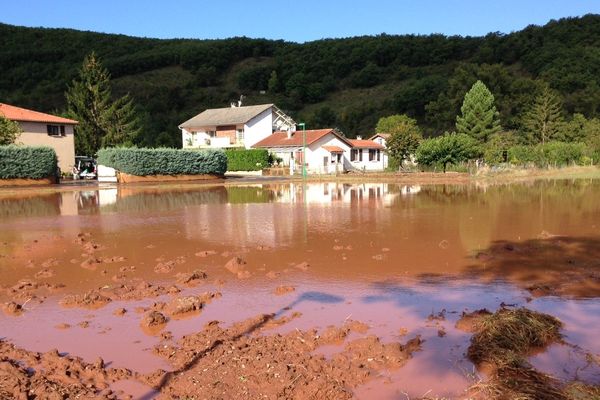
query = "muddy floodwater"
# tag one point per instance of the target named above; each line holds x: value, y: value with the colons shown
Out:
x: 326, y: 266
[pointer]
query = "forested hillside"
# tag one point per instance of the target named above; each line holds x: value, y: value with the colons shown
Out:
x: 346, y: 83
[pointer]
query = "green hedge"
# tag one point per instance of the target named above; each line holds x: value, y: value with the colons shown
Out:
x: 164, y: 161
x: 27, y: 162
x: 247, y: 160
x: 549, y: 154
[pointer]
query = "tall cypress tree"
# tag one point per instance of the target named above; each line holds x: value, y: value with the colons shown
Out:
x: 102, y: 122
x: 543, y: 121
x: 479, y: 117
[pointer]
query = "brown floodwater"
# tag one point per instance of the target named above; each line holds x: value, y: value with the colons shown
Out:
x: 387, y: 255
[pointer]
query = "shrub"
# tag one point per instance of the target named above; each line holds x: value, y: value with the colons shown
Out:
x: 556, y: 154
x: 450, y: 148
x: 164, y: 161
x: 523, y: 155
x: 27, y: 162
x: 247, y: 160
x: 561, y: 153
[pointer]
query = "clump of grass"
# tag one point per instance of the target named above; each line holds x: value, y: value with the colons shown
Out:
x: 506, y: 334
x: 581, y: 391
x: 502, y: 341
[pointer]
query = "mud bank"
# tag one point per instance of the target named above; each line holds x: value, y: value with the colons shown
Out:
x: 245, y: 362
x: 25, y: 375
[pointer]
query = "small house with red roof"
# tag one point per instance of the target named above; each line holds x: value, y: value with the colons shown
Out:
x: 40, y: 129
x: 327, y: 151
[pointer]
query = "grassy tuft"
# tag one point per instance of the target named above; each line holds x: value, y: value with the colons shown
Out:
x: 502, y: 341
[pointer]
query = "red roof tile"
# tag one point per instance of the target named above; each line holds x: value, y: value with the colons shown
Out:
x: 333, y: 149
x: 365, y: 144
x: 23, y: 114
x: 280, y: 139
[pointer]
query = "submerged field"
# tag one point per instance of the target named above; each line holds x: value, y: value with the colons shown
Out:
x: 322, y: 290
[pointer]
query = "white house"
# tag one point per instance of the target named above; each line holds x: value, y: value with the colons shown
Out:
x: 367, y: 155
x: 234, y: 126
x: 327, y: 151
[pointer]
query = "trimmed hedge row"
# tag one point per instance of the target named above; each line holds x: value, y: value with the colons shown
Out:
x: 247, y: 160
x: 27, y: 162
x: 164, y: 161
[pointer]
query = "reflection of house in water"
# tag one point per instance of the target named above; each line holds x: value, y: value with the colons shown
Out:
x: 292, y: 211
x: 324, y: 193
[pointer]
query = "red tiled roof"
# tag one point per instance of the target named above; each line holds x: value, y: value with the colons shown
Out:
x: 365, y: 144
x: 333, y: 149
x: 280, y: 139
x: 23, y: 114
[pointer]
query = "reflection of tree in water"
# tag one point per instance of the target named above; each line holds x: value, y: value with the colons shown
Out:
x: 250, y: 194
x: 35, y: 206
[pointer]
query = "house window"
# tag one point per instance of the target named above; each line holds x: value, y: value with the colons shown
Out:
x: 352, y: 155
x: 378, y: 155
x: 325, y: 161
x: 360, y: 152
x: 239, y: 135
x: 55, y: 130
x: 372, y: 154
x: 211, y: 133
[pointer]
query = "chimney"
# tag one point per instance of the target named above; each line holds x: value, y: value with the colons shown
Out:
x: 358, y: 137
x: 232, y: 105
x: 289, y: 133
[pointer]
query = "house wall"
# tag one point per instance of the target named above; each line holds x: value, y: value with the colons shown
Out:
x: 367, y: 165
x: 380, y: 140
x: 315, y: 154
x: 227, y: 132
x: 258, y: 128
x: 225, y: 137
x: 36, y: 134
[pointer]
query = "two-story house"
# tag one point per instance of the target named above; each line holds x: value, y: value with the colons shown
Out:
x: 40, y: 129
x: 234, y: 126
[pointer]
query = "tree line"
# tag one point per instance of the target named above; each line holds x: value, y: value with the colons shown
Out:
x: 542, y: 136
x: 345, y: 83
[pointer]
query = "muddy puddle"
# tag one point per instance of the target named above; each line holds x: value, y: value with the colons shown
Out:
x: 254, y: 291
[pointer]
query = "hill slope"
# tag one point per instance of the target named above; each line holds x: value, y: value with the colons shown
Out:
x: 348, y: 83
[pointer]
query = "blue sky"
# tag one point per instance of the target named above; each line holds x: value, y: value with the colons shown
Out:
x: 300, y: 20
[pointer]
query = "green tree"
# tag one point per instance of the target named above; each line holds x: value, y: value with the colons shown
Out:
x: 9, y: 131
x: 495, y: 150
x: 405, y: 136
x: 574, y: 130
x: 102, y: 122
x: 543, y: 121
x: 123, y: 124
x: 479, y: 117
x: 451, y: 148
